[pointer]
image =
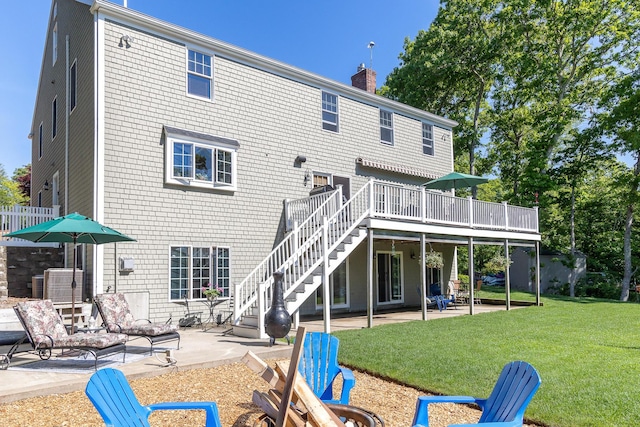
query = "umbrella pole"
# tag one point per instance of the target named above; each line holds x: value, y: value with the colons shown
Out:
x: 73, y: 289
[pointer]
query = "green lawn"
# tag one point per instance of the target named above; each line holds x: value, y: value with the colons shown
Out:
x: 586, y: 351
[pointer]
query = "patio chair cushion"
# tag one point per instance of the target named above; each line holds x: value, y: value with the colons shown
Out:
x: 118, y: 318
x: 47, y: 329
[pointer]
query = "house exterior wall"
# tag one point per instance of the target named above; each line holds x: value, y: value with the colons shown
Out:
x: 273, y: 119
x: 74, y: 20
x: 117, y: 148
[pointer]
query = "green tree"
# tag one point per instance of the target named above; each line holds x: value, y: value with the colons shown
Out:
x: 622, y: 122
x: 23, y: 177
x: 9, y: 190
x: 449, y: 69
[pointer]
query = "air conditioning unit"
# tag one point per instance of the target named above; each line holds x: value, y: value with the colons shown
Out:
x: 57, y: 285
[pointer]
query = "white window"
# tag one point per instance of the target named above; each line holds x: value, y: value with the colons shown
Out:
x: 329, y: 111
x: 194, y: 268
x: 73, y: 85
x: 54, y: 43
x: 427, y: 139
x: 386, y: 127
x: 200, y: 160
x: 40, y: 142
x: 199, y: 74
x: 54, y: 118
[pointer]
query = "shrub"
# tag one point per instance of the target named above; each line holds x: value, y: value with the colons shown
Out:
x: 596, y: 285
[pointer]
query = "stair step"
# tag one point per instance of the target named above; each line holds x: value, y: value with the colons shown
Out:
x: 250, y: 320
x: 246, y: 331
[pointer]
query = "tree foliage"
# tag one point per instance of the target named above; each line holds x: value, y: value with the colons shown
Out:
x: 10, y: 193
x: 528, y: 81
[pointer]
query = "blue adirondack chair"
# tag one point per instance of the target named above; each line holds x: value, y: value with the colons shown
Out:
x: 319, y: 367
x: 112, y: 396
x: 505, y: 407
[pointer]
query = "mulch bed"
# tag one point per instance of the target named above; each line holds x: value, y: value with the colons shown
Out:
x: 231, y: 387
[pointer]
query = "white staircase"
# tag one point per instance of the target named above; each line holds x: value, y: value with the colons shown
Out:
x: 321, y: 241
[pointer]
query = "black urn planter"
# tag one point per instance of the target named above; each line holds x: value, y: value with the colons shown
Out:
x: 277, y: 321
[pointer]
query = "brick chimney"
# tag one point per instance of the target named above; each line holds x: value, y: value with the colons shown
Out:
x: 364, y: 79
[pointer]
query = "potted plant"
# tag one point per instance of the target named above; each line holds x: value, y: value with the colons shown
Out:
x: 210, y: 292
x: 433, y: 259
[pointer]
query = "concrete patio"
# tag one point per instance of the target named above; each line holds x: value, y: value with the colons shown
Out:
x: 198, y: 349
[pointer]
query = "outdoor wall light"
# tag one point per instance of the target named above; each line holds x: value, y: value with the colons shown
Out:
x: 307, y: 177
x: 126, y: 40
x: 301, y: 159
x: 45, y: 187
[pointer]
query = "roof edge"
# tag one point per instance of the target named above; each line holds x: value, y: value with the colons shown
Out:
x: 262, y: 62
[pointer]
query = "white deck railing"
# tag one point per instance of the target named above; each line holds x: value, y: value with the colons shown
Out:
x: 14, y: 218
x: 409, y: 203
x: 320, y: 223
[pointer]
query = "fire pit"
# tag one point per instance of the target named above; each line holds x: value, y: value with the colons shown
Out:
x: 350, y: 415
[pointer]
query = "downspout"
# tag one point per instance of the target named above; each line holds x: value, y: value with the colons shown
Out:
x: 66, y: 136
x: 66, y: 143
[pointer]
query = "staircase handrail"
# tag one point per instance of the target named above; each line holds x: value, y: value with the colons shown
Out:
x: 245, y: 293
x: 339, y: 226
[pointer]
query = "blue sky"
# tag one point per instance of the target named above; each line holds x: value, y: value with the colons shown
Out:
x: 328, y: 37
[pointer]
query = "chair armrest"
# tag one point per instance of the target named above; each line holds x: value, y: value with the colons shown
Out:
x: 48, y: 337
x: 142, y: 321
x: 421, y: 416
x: 211, y: 409
x: 348, y: 382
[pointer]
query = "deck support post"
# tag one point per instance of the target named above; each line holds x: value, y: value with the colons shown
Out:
x: 507, y: 279
x: 538, y: 273
x: 472, y: 284
x: 370, y: 278
x: 423, y: 276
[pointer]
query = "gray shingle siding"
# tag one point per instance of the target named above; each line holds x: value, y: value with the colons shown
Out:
x: 272, y: 118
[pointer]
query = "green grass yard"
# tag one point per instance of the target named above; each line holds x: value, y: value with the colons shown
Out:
x: 586, y: 351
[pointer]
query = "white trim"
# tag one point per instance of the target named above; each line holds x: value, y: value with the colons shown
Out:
x: 155, y: 26
x: 98, y: 160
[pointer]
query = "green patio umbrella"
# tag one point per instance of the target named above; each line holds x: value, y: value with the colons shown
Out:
x: 73, y: 228
x: 455, y: 180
